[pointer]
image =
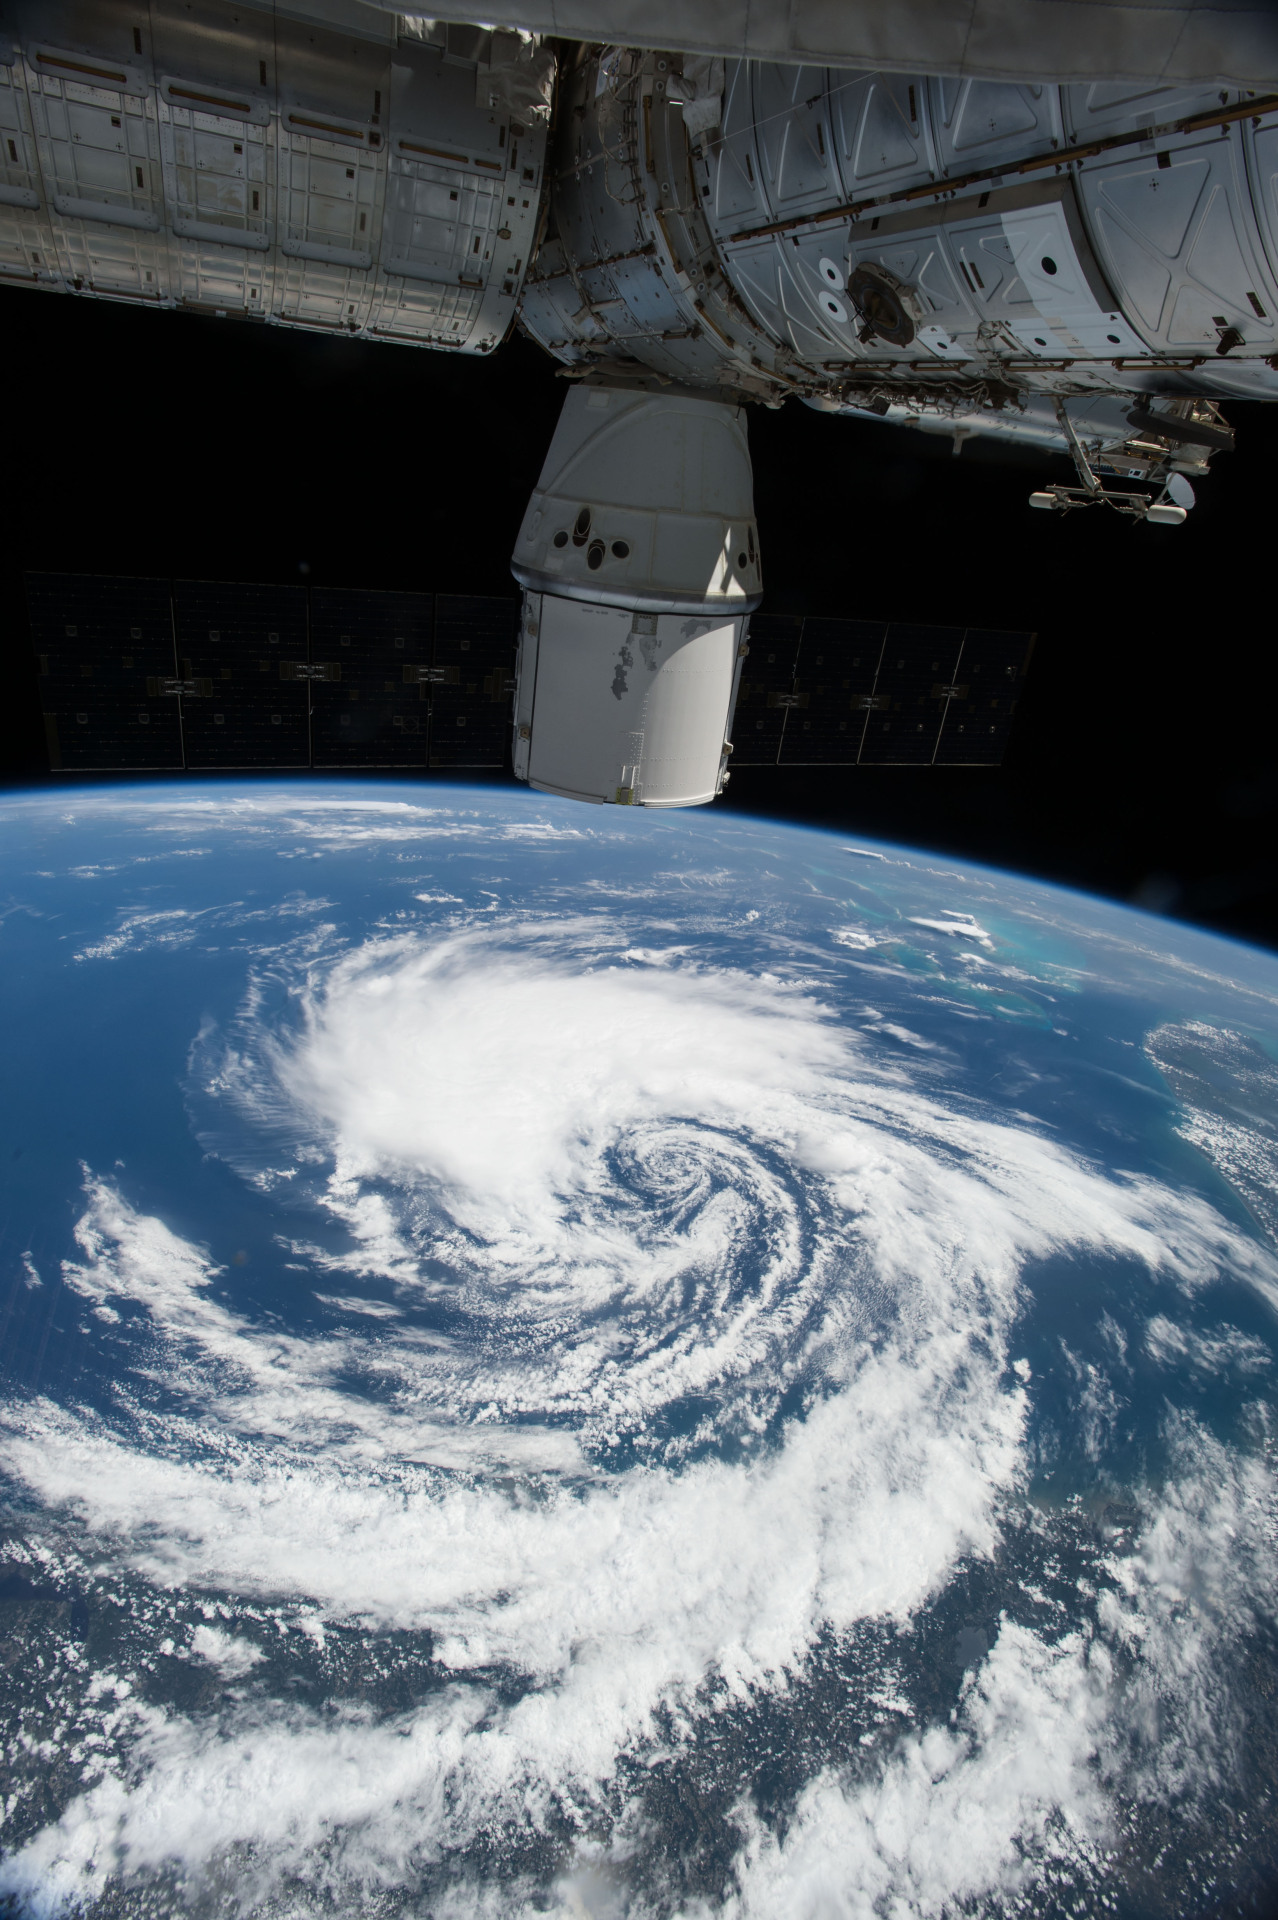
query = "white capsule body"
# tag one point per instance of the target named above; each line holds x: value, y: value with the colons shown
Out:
x: 620, y: 706
x: 640, y: 563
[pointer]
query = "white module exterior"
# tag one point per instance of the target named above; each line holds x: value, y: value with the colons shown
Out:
x: 717, y: 223
x: 640, y: 562
x: 617, y: 705
x: 1034, y: 40
x: 346, y: 177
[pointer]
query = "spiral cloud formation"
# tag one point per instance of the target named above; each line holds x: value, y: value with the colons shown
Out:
x: 664, y: 1347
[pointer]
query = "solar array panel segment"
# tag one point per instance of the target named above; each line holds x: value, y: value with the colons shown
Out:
x: 766, y: 690
x: 239, y: 647
x: 910, y: 695
x: 988, y: 682
x: 834, y: 688
x: 826, y: 692
x: 475, y: 641
x: 371, y: 708
x: 104, y: 646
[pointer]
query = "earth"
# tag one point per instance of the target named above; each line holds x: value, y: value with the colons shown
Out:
x: 599, y: 1362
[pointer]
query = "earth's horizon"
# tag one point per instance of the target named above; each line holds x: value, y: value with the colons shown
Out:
x: 584, y: 1361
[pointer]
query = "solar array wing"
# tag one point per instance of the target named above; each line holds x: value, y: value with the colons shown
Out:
x: 827, y: 693
x: 475, y: 641
x: 148, y: 675
x: 239, y: 647
x: 153, y: 674
x: 371, y: 669
x: 104, y: 649
x: 767, y: 688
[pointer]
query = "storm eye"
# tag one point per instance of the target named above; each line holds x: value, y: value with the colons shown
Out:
x: 561, y: 538
x: 620, y: 550
x: 1047, y: 263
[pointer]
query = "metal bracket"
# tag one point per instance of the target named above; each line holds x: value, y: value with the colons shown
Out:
x: 192, y: 689
x: 1162, y: 509
x: 431, y: 676
x: 306, y: 670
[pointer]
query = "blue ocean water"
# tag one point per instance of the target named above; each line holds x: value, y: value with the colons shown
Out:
x: 584, y: 1361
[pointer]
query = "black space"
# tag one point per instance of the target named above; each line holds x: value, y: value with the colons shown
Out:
x: 1141, y: 763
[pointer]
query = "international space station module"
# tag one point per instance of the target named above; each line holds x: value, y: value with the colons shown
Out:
x: 1057, y: 229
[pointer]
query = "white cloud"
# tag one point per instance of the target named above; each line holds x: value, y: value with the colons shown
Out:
x: 1184, y: 1607
x: 354, y: 1303
x: 954, y: 1814
x: 905, y: 1035
x: 959, y: 926
x: 1221, y: 1350
x: 232, y: 1656
x: 138, y: 930
x: 167, y: 927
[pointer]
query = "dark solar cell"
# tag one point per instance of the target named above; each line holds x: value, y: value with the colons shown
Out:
x: 910, y: 696
x: 104, y: 649
x: 834, y: 691
x: 110, y: 736
x: 988, y: 681
x: 475, y: 643
x: 766, y: 690
x: 239, y: 648
x: 371, y: 708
